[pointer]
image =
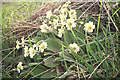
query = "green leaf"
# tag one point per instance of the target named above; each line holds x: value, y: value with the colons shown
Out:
x: 9, y: 76
x: 36, y: 39
x: 49, y: 74
x: 68, y: 37
x: 50, y: 62
x: 29, y: 41
x: 54, y: 44
x: 37, y: 70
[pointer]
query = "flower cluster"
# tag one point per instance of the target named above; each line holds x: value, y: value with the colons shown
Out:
x: 64, y: 20
x: 29, y: 51
x: 34, y: 49
x: 20, y: 44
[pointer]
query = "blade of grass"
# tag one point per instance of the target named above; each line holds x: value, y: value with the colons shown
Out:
x: 64, y: 58
x: 114, y: 52
x: 8, y: 75
x: 29, y: 41
x: 89, y: 48
x: 115, y: 12
x: 99, y: 18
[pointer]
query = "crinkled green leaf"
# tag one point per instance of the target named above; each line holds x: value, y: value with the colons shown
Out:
x: 54, y: 44
x: 50, y: 62
x: 38, y: 70
x: 49, y: 74
x: 68, y: 37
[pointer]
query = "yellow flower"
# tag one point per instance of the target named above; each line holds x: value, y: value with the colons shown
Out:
x: 42, y: 46
x: 72, y: 12
x: 70, y: 23
x: 55, y: 23
x: 35, y: 47
x: 89, y: 27
x: 49, y: 14
x: 74, y: 17
x: 81, y: 22
x: 50, y: 28
x: 23, y: 41
x: 19, y: 67
x: 64, y: 7
x: 32, y: 52
x: 63, y: 19
x: 26, y: 51
x: 50, y: 22
x: 60, y: 32
x: 44, y: 28
x: 74, y: 47
x: 18, y: 44
x: 64, y: 12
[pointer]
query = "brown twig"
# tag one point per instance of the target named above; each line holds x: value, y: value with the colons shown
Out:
x: 21, y: 27
x: 6, y: 49
x: 32, y: 33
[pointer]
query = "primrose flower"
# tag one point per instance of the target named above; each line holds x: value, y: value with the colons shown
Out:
x: 23, y: 41
x: 64, y: 12
x: 68, y: 2
x: 89, y: 26
x: 49, y: 14
x: 74, y: 17
x: 60, y: 32
x: 50, y: 28
x: 74, y: 47
x: 81, y: 22
x: 64, y: 7
x: 44, y: 28
x: 72, y: 12
x: 56, y: 10
x: 26, y: 51
x: 63, y: 19
x: 35, y: 47
x: 19, y: 67
x: 32, y: 52
x: 18, y: 44
x: 42, y: 46
x: 70, y: 23
x: 55, y: 23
